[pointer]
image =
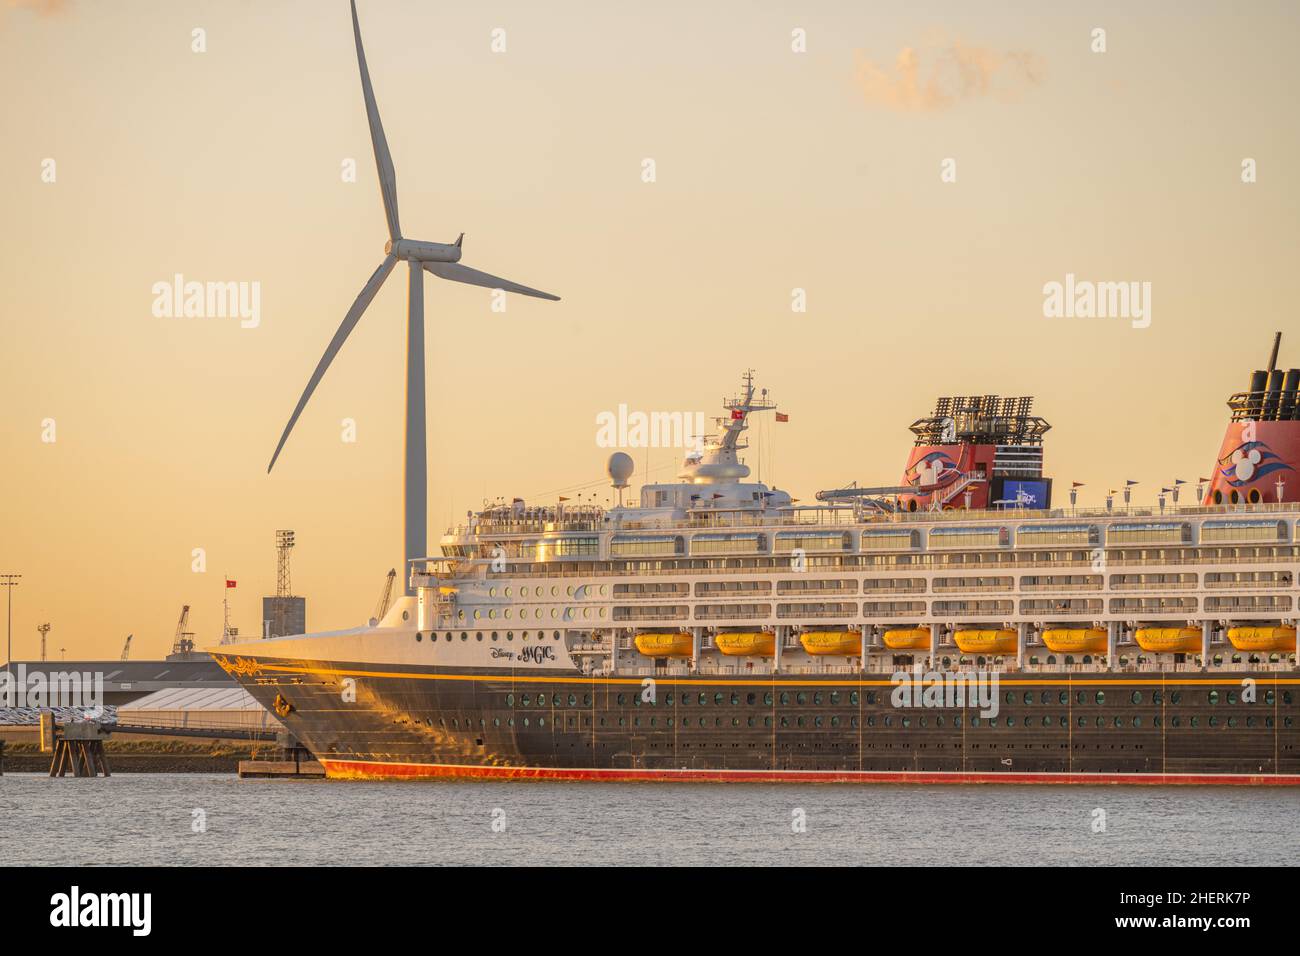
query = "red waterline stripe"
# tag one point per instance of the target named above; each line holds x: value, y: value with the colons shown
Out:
x: 373, y: 770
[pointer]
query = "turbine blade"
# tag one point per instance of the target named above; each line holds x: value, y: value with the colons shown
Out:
x: 349, y: 323
x: 459, y: 273
x: 383, y: 159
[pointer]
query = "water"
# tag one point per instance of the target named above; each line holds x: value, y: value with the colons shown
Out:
x: 147, y: 819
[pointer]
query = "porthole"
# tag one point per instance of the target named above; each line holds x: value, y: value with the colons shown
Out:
x: 477, y: 614
x: 1136, y: 697
x: 1101, y: 697
x: 418, y: 637
x: 507, y: 592
x: 510, y: 635
x: 462, y: 636
x: 1232, y: 696
x: 495, y: 635
x: 801, y: 698
x: 479, y: 637
x: 406, y: 615
x: 1214, y: 697
x: 510, y: 700
x: 492, y: 592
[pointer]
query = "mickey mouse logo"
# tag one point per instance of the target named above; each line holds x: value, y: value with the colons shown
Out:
x: 1244, y: 463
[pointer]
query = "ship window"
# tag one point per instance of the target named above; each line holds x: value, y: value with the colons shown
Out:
x: 1268, y: 697
x: 801, y: 698
x: 510, y: 635
x: 1101, y: 697
x: 1136, y: 697
x: 1214, y: 697
x: 1157, y: 697
x: 1011, y: 697
x: 767, y: 699
x: 465, y: 637
x: 835, y: 697
x: 817, y: 697
x: 1195, y: 721
x: 557, y: 633
x: 1011, y: 721
x: 462, y: 636
x: 749, y: 699
x: 717, y: 700
x: 853, y: 697
x: 479, y: 636
x: 785, y: 699
x: 418, y: 637
x: 1214, y: 721
x: 1176, y: 697
x: 1082, y: 721
x: 1029, y: 697
x: 1232, y: 696
x: 573, y: 700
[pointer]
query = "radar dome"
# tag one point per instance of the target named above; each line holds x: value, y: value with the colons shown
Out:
x: 620, y: 468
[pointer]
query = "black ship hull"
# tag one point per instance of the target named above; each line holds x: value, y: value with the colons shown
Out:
x: 1095, y: 727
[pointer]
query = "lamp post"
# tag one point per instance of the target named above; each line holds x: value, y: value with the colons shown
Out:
x: 10, y: 581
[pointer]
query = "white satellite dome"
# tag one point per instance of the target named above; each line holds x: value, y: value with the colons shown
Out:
x: 620, y: 468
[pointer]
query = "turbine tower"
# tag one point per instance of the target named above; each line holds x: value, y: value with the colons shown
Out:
x: 440, y: 259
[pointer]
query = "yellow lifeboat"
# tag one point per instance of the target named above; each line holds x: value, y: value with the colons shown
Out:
x: 907, y: 639
x: 675, y: 644
x: 1169, y: 640
x: 1075, y: 640
x: 1262, y: 638
x: 746, y: 644
x: 1001, y: 641
x: 824, y: 643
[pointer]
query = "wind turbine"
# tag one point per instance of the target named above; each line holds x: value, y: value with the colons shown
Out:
x: 441, y: 259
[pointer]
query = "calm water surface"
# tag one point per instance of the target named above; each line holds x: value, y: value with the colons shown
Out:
x: 147, y: 819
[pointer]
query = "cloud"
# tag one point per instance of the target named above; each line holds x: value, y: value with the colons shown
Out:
x: 942, y: 75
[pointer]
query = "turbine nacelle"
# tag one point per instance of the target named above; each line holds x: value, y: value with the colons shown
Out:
x: 413, y: 250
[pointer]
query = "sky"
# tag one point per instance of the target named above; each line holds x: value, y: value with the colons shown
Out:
x: 919, y: 170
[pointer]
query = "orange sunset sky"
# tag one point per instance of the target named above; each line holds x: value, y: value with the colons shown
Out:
x: 775, y: 169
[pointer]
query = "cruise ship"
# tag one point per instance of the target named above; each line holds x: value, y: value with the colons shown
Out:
x: 958, y: 626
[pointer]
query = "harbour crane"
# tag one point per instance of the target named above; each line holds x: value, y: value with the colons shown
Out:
x: 386, y: 595
x: 126, y: 648
x: 183, y: 642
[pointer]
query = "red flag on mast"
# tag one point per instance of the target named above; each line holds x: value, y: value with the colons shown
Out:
x: 782, y: 417
x: 229, y: 583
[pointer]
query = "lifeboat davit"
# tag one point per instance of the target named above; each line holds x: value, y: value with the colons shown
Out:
x: 746, y: 643
x: 1271, y: 638
x: 824, y: 643
x: 1169, y: 640
x: 907, y: 639
x: 1075, y: 640
x: 674, y: 644
x: 1000, y: 641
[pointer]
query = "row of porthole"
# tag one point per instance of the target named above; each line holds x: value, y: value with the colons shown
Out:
x: 478, y: 636
x: 540, y: 591
x: 1136, y: 697
x: 904, y: 721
